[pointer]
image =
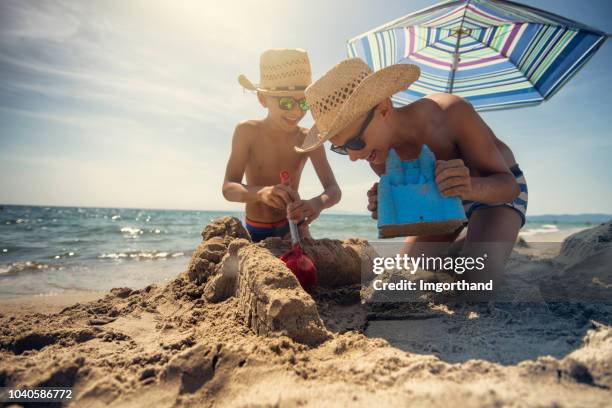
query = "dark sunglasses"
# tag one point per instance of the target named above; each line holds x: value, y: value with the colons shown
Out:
x: 355, y: 142
x: 287, y: 103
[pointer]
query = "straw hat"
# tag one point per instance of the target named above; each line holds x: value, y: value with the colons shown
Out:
x: 348, y: 91
x: 281, y: 71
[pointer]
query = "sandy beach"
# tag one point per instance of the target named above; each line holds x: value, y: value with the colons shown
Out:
x: 235, y: 329
x: 443, y: 166
x: 48, y: 304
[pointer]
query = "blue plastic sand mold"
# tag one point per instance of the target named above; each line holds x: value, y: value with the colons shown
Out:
x: 409, y: 202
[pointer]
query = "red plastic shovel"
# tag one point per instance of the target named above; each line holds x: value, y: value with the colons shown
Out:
x: 297, y: 261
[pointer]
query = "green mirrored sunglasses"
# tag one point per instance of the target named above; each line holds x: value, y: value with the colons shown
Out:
x: 287, y: 103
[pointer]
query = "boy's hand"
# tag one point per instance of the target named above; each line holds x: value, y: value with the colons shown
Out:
x: 307, y: 210
x: 373, y: 200
x: 453, y: 178
x: 278, y: 196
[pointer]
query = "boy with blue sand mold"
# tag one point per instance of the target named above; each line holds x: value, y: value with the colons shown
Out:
x: 261, y: 149
x: 352, y: 108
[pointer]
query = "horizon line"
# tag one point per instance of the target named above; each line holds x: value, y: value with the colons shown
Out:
x: 332, y: 212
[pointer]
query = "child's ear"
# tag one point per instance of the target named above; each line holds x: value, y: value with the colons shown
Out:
x: 262, y: 99
x: 385, y: 107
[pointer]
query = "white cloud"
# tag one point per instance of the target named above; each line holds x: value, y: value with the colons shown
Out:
x: 46, y: 20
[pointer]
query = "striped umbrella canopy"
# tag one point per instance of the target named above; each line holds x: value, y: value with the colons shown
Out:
x: 497, y: 54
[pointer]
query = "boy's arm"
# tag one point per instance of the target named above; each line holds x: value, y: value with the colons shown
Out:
x: 379, y: 169
x: 278, y: 196
x: 331, y: 191
x: 476, y: 143
x: 310, y: 209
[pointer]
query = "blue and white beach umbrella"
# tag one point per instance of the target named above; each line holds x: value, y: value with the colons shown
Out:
x: 497, y: 54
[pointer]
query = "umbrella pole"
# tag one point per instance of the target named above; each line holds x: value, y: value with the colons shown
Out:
x: 451, y: 80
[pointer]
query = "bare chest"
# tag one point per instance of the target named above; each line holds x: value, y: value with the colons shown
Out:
x: 267, y: 158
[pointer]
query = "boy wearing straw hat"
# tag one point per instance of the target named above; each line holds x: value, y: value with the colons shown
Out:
x: 261, y: 149
x: 352, y: 109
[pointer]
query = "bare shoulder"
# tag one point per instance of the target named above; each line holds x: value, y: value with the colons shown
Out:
x: 247, y: 130
x: 456, y: 109
x: 449, y: 102
x: 248, y: 127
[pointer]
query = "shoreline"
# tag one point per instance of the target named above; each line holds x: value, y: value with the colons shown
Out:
x: 47, y: 300
x: 53, y: 302
x: 553, y: 236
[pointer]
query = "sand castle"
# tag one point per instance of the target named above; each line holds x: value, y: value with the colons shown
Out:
x: 409, y: 202
x: 228, y: 264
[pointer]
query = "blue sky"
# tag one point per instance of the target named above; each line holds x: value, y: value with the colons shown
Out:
x: 133, y: 103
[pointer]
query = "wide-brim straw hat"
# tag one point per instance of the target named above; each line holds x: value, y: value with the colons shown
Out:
x: 346, y: 92
x: 281, y: 71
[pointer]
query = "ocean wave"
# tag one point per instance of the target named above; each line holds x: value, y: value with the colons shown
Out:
x: 142, y: 255
x: 64, y: 255
x: 545, y: 229
x: 28, y: 266
x: 132, y: 231
x: 135, y: 232
x: 17, y: 221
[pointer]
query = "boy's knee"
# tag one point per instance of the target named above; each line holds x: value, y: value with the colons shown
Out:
x: 494, y: 257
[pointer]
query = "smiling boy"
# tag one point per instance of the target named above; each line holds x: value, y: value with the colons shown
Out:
x: 352, y: 108
x: 262, y: 148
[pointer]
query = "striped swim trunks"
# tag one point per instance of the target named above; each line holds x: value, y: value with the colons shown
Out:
x: 519, y: 204
x: 262, y: 230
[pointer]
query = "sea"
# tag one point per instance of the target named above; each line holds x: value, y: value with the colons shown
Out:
x: 51, y: 250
